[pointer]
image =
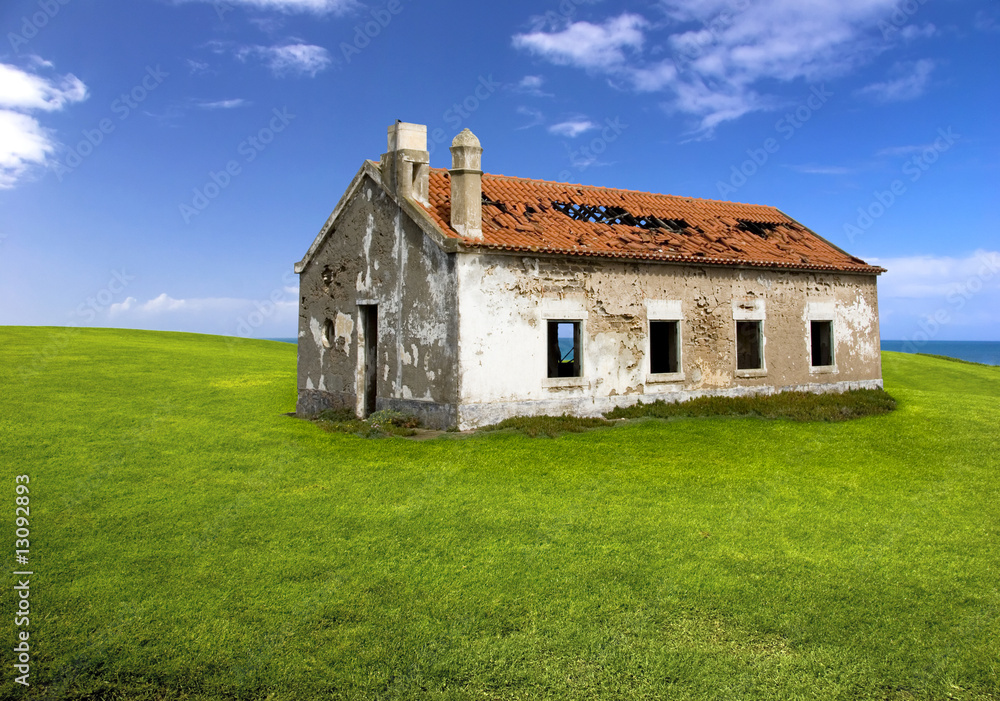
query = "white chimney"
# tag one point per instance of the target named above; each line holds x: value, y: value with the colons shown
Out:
x: 406, y: 165
x: 467, y: 185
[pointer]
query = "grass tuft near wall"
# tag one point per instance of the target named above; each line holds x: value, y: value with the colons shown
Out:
x: 380, y: 424
x: 550, y: 426
x: 796, y: 406
x: 190, y: 541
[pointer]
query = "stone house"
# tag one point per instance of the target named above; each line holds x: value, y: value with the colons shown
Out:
x: 466, y: 298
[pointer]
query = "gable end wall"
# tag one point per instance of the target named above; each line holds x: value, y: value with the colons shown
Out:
x: 377, y: 255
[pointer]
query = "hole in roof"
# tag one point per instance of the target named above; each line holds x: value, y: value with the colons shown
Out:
x: 604, y: 214
x: 758, y: 228
x: 487, y: 202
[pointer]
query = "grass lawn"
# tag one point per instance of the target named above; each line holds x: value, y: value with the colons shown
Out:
x: 191, y: 542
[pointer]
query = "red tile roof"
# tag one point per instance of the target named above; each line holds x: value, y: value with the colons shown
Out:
x: 548, y: 217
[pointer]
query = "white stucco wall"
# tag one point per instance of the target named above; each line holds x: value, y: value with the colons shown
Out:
x: 505, y: 302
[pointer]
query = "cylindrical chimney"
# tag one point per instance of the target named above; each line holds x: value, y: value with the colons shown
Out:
x: 467, y: 185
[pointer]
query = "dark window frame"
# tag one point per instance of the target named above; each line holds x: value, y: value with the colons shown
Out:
x: 664, y: 346
x: 821, y: 346
x: 557, y: 367
x: 745, y: 356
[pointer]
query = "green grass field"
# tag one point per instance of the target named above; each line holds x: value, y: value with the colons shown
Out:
x: 191, y: 542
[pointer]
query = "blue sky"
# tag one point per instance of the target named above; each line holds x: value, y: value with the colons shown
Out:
x: 163, y: 163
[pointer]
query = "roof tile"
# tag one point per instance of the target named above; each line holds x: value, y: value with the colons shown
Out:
x: 526, y: 215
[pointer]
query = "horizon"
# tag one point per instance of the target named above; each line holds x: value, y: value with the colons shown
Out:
x: 169, y: 179
x: 915, y: 343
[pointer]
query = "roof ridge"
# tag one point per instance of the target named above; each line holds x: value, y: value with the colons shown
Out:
x: 559, y: 183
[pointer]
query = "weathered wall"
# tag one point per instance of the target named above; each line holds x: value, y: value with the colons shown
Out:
x: 505, y: 302
x: 376, y: 255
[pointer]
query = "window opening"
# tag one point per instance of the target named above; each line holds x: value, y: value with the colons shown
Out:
x: 328, y: 333
x: 368, y: 357
x: 664, y: 346
x: 564, y: 349
x: 822, y: 343
x: 749, y: 345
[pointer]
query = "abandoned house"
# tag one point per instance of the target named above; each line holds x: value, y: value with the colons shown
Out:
x: 466, y: 298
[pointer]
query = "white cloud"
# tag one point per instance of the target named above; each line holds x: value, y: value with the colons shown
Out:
x: 714, y: 104
x: 587, y: 45
x: 25, y: 91
x: 940, y: 297
x: 24, y: 142
x: 219, y: 315
x: 304, y: 59
x: 572, y: 128
x: 722, y: 53
x: 531, y: 85
x: 911, y: 82
x: 318, y: 7
x: 922, y: 277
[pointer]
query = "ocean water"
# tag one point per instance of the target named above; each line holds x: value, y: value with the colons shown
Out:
x: 987, y: 352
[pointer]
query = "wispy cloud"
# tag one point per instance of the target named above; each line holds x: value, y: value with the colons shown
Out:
x: 903, y: 150
x: 723, y: 55
x: 221, y: 315
x: 940, y: 296
x: 912, y: 31
x: 297, y: 58
x: 197, y: 67
x: 822, y: 170
x: 24, y: 142
x: 572, y: 128
x: 531, y: 85
x: 319, y: 7
x: 536, y: 117
x: 586, y: 45
x: 987, y: 21
x: 222, y: 104
x: 911, y: 81
x: 920, y: 277
x: 173, y: 113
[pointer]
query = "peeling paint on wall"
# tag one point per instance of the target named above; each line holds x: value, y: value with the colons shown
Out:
x: 857, y: 325
x: 503, y: 353
x: 365, y: 275
x: 344, y: 330
x: 462, y: 337
x: 380, y: 257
